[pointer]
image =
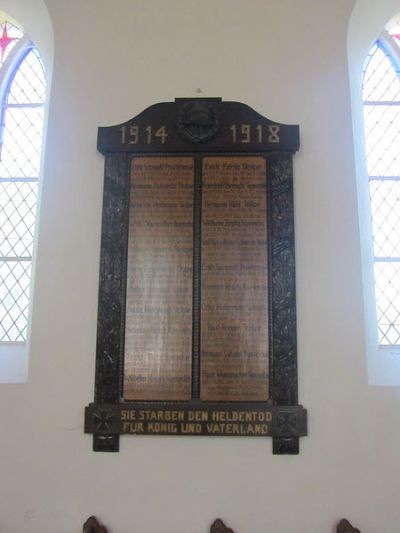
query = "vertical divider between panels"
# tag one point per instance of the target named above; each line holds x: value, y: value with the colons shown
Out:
x: 196, y: 280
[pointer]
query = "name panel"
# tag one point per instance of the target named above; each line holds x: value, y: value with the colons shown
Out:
x: 234, y: 310
x: 158, y: 325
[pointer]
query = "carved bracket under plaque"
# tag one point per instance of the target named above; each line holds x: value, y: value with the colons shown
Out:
x: 197, y: 317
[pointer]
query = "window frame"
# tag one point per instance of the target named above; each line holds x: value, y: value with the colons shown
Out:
x: 383, y: 360
x: 14, y: 354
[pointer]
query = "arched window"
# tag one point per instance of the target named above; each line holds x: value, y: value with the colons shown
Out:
x: 22, y: 99
x: 381, y: 96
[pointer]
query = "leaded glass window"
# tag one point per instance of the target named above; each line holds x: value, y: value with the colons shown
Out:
x: 381, y: 95
x: 22, y: 91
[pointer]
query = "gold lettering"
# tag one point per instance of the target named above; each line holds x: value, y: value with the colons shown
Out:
x: 240, y: 416
x: 123, y: 134
x: 133, y: 135
x: 273, y: 136
x: 128, y: 415
x: 161, y: 416
x: 160, y: 427
x: 148, y: 134
x: 132, y: 427
x: 234, y: 136
x: 246, y: 131
x: 259, y: 133
x: 245, y: 134
x: 162, y: 134
x: 190, y: 428
x: 198, y: 416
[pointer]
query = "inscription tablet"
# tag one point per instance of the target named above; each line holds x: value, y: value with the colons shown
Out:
x: 158, y: 325
x: 234, y: 310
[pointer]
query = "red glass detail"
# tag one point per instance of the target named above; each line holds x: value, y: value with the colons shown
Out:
x: 5, y: 40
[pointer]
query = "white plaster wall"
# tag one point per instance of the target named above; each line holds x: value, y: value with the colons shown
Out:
x: 287, y: 59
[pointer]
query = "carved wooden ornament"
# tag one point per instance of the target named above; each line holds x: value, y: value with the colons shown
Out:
x: 92, y: 526
x: 219, y: 527
x: 344, y: 526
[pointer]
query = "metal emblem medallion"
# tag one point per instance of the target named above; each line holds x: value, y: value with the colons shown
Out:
x: 198, y: 122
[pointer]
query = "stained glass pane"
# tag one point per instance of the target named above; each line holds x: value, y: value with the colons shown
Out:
x: 382, y: 125
x: 385, y: 204
x: 17, y: 218
x: 394, y: 30
x: 9, y: 36
x: 29, y: 85
x: 387, y: 294
x: 22, y: 142
x: 380, y: 79
x: 14, y: 299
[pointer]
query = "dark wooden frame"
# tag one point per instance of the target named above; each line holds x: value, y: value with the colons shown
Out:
x: 288, y: 419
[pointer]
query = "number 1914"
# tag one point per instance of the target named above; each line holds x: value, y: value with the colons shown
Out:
x: 134, y: 134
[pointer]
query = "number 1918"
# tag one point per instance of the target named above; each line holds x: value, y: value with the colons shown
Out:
x: 245, y: 133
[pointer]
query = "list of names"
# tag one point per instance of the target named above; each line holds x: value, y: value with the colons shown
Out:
x: 158, y: 325
x: 234, y: 291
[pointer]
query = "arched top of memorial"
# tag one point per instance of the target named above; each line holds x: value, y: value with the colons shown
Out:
x: 192, y: 125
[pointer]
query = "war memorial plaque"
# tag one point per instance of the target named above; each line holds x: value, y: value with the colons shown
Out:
x: 196, y: 315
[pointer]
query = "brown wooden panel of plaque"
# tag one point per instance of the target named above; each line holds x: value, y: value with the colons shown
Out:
x: 158, y: 331
x: 234, y: 323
